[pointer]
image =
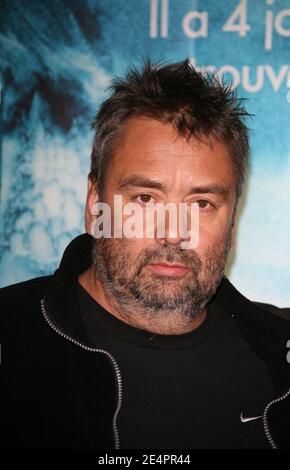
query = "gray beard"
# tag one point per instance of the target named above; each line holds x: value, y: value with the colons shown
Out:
x: 142, y: 297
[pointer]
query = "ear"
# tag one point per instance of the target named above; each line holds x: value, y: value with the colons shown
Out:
x: 92, y: 198
x: 234, y: 229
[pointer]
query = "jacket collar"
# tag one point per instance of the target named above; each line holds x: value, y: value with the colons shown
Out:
x: 266, y: 333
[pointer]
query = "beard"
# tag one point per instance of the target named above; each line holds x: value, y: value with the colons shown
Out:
x: 142, y: 296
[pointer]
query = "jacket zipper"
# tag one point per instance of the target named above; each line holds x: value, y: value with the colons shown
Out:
x: 103, y: 351
x: 265, y: 419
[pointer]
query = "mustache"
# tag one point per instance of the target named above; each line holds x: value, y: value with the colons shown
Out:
x: 170, y: 255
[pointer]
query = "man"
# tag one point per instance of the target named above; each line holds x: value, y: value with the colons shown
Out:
x: 143, y: 342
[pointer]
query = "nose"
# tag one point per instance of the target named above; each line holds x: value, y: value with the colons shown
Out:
x: 171, y: 229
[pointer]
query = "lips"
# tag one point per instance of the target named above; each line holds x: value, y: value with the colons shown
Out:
x: 165, y: 269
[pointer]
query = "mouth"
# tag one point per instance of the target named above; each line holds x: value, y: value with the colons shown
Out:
x: 166, y: 269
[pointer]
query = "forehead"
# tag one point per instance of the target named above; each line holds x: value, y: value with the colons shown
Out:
x: 153, y: 148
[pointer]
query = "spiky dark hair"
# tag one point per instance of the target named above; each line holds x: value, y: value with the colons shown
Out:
x: 196, y: 104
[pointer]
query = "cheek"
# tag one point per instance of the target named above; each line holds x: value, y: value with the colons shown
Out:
x: 212, y: 236
x: 129, y: 248
x: 137, y: 245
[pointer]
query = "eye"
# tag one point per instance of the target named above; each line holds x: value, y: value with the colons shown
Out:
x: 144, y: 198
x: 203, y: 204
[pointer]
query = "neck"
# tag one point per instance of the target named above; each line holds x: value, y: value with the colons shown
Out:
x: 164, y: 323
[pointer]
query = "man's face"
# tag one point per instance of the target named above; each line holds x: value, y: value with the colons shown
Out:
x: 153, y: 164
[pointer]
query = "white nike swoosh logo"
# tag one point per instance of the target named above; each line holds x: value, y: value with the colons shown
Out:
x: 252, y: 418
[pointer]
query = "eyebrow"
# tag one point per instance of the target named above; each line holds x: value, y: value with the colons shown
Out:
x: 138, y: 181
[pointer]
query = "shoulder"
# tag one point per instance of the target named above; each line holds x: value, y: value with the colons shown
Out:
x: 21, y: 290
x: 19, y: 301
x: 252, y: 313
x: 274, y: 310
x: 265, y: 327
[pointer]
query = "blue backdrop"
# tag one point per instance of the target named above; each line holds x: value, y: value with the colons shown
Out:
x: 58, y: 56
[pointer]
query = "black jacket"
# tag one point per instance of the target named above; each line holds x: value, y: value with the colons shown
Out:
x: 60, y: 391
